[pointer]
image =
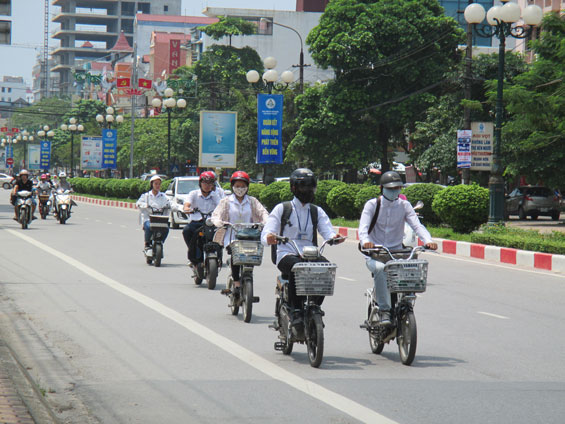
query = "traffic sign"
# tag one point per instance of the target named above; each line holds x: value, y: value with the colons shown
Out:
x: 10, y: 161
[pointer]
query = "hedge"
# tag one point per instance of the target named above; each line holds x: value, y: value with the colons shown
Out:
x: 322, y: 191
x: 365, y: 194
x: 341, y: 200
x: 426, y: 193
x: 270, y: 196
x: 521, y: 239
x: 463, y: 207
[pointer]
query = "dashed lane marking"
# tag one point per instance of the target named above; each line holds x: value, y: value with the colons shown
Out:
x: 488, y: 314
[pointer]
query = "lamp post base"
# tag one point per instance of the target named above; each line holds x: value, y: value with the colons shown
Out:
x: 496, y: 194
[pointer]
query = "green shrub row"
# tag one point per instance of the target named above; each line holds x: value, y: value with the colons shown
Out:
x: 112, y: 187
x: 521, y: 239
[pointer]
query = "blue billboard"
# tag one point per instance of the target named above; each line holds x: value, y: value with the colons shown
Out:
x: 109, y: 149
x: 269, y: 128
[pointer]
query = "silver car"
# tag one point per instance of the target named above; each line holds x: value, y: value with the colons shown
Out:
x: 533, y: 202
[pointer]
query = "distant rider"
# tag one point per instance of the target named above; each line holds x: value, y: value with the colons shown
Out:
x: 388, y: 231
x: 155, y: 199
x: 23, y: 183
x: 61, y: 185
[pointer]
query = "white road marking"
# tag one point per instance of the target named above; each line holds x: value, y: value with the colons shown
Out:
x: 333, y: 399
x: 123, y: 226
x: 493, y: 315
x: 109, y: 223
x: 346, y: 279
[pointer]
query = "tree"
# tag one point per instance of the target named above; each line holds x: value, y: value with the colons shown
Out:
x: 229, y: 26
x: 389, y: 57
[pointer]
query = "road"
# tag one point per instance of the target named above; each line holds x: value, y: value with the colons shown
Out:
x: 112, y: 340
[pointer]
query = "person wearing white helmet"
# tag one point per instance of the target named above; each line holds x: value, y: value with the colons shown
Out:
x: 155, y: 199
x: 23, y: 182
x: 60, y: 186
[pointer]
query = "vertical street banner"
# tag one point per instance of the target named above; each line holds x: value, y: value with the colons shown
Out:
x: 9, y: 155
x: 45, y: 154
x: 33, y: 156
x: 91, y: 153
x: 218, y: 139
x: 174, y: 55
x: 464, y: 148
x: 482, y: 142
x: 269, y: 128
x: 109, y: 149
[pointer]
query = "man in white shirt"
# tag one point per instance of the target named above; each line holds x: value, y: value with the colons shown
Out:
x: 205, y: 199
x: 299, y: 227
x: 388, y: 231
x: 152, y: 199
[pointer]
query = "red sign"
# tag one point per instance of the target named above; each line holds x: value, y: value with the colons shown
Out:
x: 10, y: 161
x: 174, y: 55
x: 15, y: 130
x: 145, y: 83
x: 124, y: 82
x: 4, y: 129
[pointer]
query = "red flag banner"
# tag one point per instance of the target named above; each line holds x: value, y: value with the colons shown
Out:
x: 124, y: 82
x: 174, y: 55
x: 145, y: 83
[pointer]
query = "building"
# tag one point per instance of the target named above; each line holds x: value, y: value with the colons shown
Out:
x: 13, y: 89
x: 38, y: 79
x: 98, y: 22
x: 5, y: 24
x: 163, y: 48
x: 274, y: 40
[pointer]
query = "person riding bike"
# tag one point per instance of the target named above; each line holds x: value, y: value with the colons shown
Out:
x: 237, y: 208
x: 61, y: 184
x: 205, y: 199
x: 156, y: 199
x: 43, y: 183
x: 299, y: 227
x: 382, y: 224
x: 23, y: 182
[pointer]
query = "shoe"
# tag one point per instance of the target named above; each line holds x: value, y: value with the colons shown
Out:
x: 236, y: 291
x: 148, y: 252
x: 15, y: 218
x: 33, y: 217
x: 385, y: 318
x: 226, y: 291
x: 296, y: 318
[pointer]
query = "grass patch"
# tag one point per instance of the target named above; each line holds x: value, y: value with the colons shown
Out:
x: 342, y: 222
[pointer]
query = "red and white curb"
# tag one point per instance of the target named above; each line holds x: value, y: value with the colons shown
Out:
x: 504, y: 255
x: 104, y: 202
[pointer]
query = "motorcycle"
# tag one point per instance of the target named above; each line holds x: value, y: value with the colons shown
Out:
x: 24, y: 208
x: 206, y: 267
x: 312, y: 279
x: 44, y: 202
x: 158, y: 219
x: 410, y: 237
x: 406, y: 275
x: 63, y: 204
x: 246, y: 252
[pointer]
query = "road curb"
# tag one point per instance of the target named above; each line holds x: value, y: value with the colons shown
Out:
x: 503, y: 255
x: 104, y: 202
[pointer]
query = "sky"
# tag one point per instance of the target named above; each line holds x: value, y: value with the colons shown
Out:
x: 27, y: 28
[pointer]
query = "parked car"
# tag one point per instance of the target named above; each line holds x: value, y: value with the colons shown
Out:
x: 532, y: 201
x: 177, y: 192
x: 147, y: 177
x: 6, y: 181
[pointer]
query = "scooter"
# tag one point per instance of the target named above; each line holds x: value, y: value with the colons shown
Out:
x: 63, y: 204
x: 206, y: 267
x: 158, y: 219
x: 44, y: 203
x: 24, y: 207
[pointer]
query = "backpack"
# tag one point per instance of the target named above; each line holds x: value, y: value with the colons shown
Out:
x: 372, y: 224
x: 287, y: 210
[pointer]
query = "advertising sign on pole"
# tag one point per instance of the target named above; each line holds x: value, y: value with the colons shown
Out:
x: 174, y: 55
x: 463, y: 148
x: 34, y: 155
x: 481, y: 146
x: 269, y: 128
x: 91, y: 153
x: 45, y: 154
x: 218, y: 139
x: 109, y: 149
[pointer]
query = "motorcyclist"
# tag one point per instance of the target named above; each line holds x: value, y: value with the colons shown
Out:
x: 156, y: 199
x: 61, y: 184
x: 43, y: 183
x: 205, y: 199
x: 300, y: 228
x: 237, y: 208
x: 382, y: 223
x: 23, y: 182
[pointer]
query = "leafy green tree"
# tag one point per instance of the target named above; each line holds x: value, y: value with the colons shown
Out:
x: 229, y: 26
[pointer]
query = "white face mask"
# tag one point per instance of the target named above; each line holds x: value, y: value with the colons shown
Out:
x: 240, y: 191
x: 391, y: 193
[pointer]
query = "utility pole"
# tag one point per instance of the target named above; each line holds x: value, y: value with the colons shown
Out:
x: 134, y: 84
x: 466, y: 174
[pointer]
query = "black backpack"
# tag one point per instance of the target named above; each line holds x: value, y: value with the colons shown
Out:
x: 287, y: 210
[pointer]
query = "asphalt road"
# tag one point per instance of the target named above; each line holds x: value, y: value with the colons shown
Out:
x: 112, y: 340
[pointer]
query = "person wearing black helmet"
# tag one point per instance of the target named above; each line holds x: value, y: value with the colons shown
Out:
x: 300, y: 219
x: 382, y: 223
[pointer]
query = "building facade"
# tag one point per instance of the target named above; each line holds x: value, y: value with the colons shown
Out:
x: 98, y: 22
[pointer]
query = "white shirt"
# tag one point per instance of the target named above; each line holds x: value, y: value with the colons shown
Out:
x: 206, y: 204
x: 146, y: 200
x: 389, y: 228
x: 238, y: 213
x: 299, y: 222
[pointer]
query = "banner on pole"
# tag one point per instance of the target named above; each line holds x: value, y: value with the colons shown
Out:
x: 481, y: 146
x: 33, y: 155
x: 91, y: 153
x: 109, y: 149
x: 218, y: 139
x: 269, y: 128
x: 463, y: 148
x: 45, y: 154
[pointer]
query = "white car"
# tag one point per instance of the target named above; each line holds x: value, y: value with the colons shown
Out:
x: 6, y: 180
x: 177, y: 193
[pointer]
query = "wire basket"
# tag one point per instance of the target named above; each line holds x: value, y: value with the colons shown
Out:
x: 244, y: 252
x: 404, y: 276
x: 158, y: 221
x: 314, y: 278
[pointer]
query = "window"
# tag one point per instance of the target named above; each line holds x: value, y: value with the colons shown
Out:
x: 9, y: 89
x: 166, y: 8
x: 455, y: 9
x: 6, y: 7
x: 5, y: 32
x: 144, y: 8
x: 3, y: 89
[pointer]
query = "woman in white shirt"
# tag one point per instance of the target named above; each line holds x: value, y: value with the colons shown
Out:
x: 237, y: 208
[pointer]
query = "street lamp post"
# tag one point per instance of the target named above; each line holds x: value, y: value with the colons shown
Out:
x: 25, y: 136
x: 73, y: 128
x: 270, y: 76
x: 169, y: 103
x: 45, y: 132
x: 109, y: 118
x: 501, y: 20
x: 10, y: 140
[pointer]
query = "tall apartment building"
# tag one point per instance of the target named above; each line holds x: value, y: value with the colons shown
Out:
x: 90, y: 28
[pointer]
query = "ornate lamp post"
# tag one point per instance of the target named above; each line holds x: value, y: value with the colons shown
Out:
x: 45, y: 132
x: 109, y: 118
x: 501, y: 24
x: 270, y: 76
x: 169, y: 104
x: 73, y: 128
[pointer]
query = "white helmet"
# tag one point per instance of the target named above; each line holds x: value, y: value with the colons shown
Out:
x: 24, y: 172
x: 154, y: 178
x: 62, y: 175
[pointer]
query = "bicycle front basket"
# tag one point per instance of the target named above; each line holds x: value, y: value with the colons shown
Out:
x: 314, y: 278
x: 245, y: 252
x: 158, y: 221
x: 404, y: 276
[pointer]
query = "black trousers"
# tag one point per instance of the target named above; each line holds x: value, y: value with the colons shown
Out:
x: 234, y: 268
x: 285, y: 265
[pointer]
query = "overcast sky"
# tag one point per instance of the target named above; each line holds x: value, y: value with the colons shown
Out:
x: 27, y: 28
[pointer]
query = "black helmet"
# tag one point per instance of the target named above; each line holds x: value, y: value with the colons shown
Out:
x: 303, y: 177
x: 391, y: 179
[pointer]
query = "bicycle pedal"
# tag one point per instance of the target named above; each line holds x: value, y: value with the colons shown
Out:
x: 279, y: 346
x: 275, y: 326
x: 256, y: 299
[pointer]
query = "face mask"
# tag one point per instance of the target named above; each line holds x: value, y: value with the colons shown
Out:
x: 391, y: 193
x: 240, y: 191
x: 305, y: 196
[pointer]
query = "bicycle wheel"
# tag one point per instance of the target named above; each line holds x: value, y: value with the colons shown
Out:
x: 158, y: 254
x: 315, y: 342
x: 374, y: 341
x: 407, y: 337
x: 234, y: 301
x: 247, y: 298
